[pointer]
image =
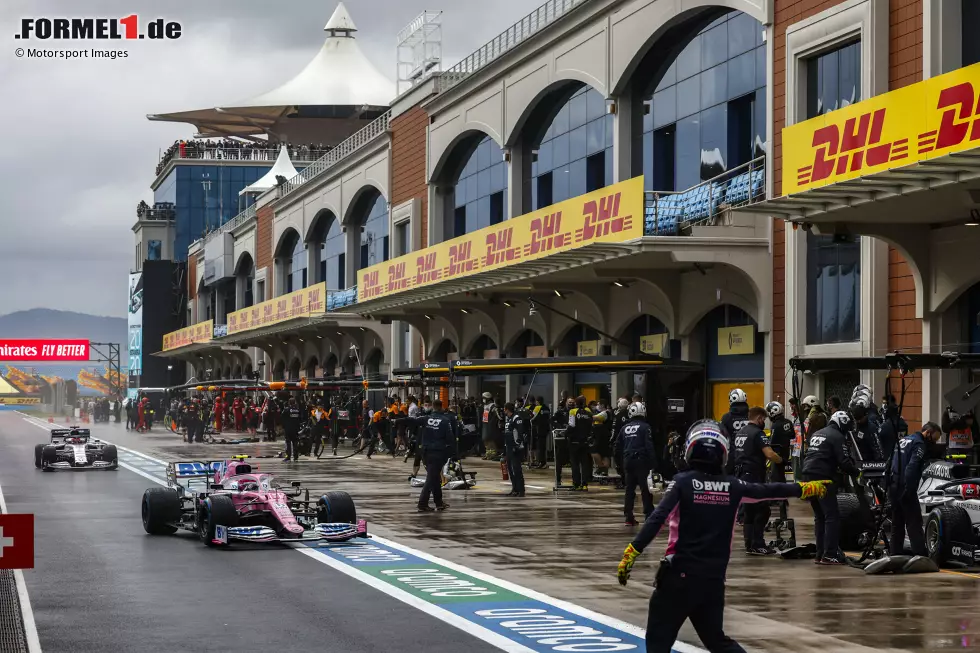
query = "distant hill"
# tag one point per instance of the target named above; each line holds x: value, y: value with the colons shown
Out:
x: 48, y: 323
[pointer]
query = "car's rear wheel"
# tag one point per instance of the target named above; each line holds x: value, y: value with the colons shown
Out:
x: 110, y: 455
x: 944, y: 526
x: 160, y: 511
x: 49, y: 456
x: 37, y: 455
x: 335, y: 508
x: 216, y: 510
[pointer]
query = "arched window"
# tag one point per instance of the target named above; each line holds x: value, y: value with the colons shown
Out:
x: 333, y: 257
x: 481, y: 192
x: 708, y: 113
x: 296, y: 277
x: 374, y: 241
x: 575, y: 154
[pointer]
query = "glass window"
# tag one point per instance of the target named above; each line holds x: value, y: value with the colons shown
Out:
x: 687, y: 148
x: 714, y: 45
x: 374, y: 239
x: 543, y: 188
x: 560, y: 151
x: 577, y: 110
x: 714, y: 144
x: 744, y: 33
x: 577, y: 183
x: 689, y: 60
x: 577, y: 144
x: 714, y: 86
x: 741, y: 74
x: 670, y: 77
x: 833, y: 290
x: 298, y: 266
x: 332, y: 255
x: 833, y: 80
x: 544, y: 157
x: 560, y: 185
x: 663, y: 156
x: 497, y: 208
x: 689, y: 96
x: 970, y: 21
x: 484, y: 174
x: 154, y: 250
x: 596, y: 105
x: 402, y: 239
x: 665, y: 106
x: 595, y: 172
x: 596, y: 136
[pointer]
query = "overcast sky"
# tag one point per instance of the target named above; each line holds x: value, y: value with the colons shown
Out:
x: 78, y: 154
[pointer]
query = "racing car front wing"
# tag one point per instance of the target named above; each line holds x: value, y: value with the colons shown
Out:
x: 339, y: 532
x: 96, y: 464
x: 964, y: 554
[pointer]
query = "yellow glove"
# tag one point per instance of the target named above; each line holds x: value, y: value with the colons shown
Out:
x: 626, y: 564
x: 814, y: 489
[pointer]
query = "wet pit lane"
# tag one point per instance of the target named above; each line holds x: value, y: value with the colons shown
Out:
x: 568, y: 545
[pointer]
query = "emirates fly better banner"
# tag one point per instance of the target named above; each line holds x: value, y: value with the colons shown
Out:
x: 36, y: 351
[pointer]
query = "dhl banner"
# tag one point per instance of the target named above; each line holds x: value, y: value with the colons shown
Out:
x: 611, y: 214
x: 300, y: 303
x: 20, y: 401
x: 654, y: 344
x: 195, y: 333
x: 923, y: 121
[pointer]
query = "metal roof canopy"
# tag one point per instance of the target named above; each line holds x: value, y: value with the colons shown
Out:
x: 877, y: 192
x: 905, y: 363
x: 558, y: 365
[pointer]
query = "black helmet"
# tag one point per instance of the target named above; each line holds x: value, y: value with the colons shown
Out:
x: 706, y: 444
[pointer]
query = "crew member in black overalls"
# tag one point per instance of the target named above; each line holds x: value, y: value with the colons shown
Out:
x: 437, y: 438
x: 578, y: 434
x: 634, y: 447
x: 691, y: 580
x: 781, y: 435
x: 540, y: 429
x: 292, y: 422
x: 517, y: 429
x: 559, y: 421
x: 751, y: 451
x: 827, y: 456
x: 907, y: 463
x: 737, y: 415
x: 192, y: 419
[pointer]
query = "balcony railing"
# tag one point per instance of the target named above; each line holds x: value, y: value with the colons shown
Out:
x: 355, y: 142
x: 669, y: 212
x: 232, y: 224
x: 198, y: 152
x: 516, y: 34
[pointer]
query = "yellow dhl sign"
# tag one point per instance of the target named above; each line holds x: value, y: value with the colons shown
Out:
x: 300, y: 303
x: 194, y: 334
x: 20, y: 401
x: 611, y: 214
x: 588, y: 348
x: 923, y: 121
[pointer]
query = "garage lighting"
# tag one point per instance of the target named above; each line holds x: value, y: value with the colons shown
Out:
x: 464, y: 310
x: 559, y: 294
x: 363, y: 329
x: 319, y: 337
x: 340, y: 333
x: 973, y: 224
x: 509, y: 304
x: 301, y: 340
x: 427, y: 316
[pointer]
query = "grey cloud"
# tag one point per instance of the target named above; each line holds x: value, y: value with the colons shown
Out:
x: 78, y: 153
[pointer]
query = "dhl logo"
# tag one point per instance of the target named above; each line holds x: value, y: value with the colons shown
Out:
x: 314, y: 300
x: 396, y: 277
x: 962, y: 116
x: 838, y: 152
x: 460, y: 259
x: 370, y: 286
x: 546, y: 235
x: 499, y: 249
x: 298, y: 304
x: 602, y: 219
x: 427, y: 272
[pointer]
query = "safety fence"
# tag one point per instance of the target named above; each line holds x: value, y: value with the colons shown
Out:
x: 669, y: 212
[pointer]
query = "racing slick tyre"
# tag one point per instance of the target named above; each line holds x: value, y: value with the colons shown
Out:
x: 216, y: 510
x: 160, y: 510
x: 110, y: 455
x: 944, y: 526
x: 334, y: 508
x: 49, y: 456
x: 852, y: 521
x: 37, y: 455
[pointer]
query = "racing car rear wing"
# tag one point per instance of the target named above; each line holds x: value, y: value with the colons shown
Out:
x: 188, y: 472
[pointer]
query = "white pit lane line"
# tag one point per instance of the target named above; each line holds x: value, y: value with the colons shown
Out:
x: 500, y: 641
x: 27, y: 614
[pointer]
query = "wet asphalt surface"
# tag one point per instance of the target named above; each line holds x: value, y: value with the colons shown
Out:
x: 565, y: 545
x: 102, y: 584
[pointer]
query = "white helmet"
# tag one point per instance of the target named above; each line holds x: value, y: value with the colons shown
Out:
x: 622, y: 403
x: 774, y: 409
x: 810, y: 401
x: 861, y: 388
x: 842, y: 420
x: 487, y: 396
x: 639, y: 409
x: 737, y: 396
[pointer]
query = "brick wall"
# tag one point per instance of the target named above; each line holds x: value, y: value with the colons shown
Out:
x: 904, y: 329
x: 263, y: 247
x: 408, y: 162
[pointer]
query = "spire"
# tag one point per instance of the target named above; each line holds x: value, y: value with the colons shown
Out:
x: 340, y: 23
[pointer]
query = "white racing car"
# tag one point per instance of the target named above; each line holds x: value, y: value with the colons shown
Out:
x: 74, y: 449
x: 950, y: 502
x: 453, y: 477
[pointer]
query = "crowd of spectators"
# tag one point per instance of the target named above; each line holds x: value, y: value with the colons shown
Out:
x: 237, y: 150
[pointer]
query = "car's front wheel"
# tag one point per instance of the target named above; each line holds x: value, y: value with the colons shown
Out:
x: 944, y: 526
x: 216, y: 510
x: 38, y: 450
x: 111, y: 455
x: 336, y: 507
x: 160, y: 511
x: 49, y: 456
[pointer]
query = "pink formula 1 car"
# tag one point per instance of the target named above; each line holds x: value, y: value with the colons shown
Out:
x: 230, y: 500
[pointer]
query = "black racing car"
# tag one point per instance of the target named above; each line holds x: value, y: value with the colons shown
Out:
x: 74, y: 449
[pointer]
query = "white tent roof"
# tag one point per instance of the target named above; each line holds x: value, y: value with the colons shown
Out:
x: 339, y: 75
x: 282, y: 167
